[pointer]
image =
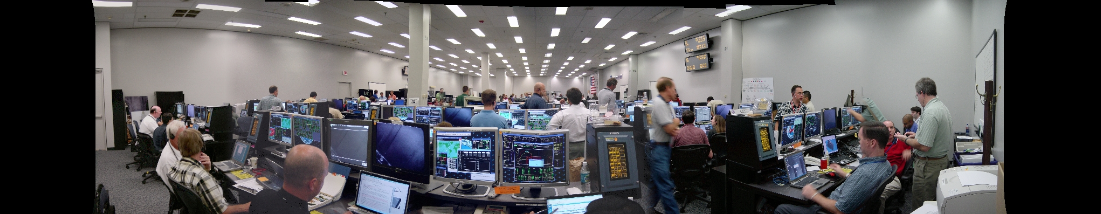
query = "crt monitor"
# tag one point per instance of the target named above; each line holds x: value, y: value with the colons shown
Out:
x: 795, y: 166
x: 830, y: 143
x: 349, y: 141
x: 515, y: 117
x: 537, y: 119
x: 534, y: 158
x: 812, y: 124
x: 458, y: 117
x: 703, y: 113
x: 572, y: 203
x: 404, y: 113
x: 430, y: 115
x: 466, y: 154
x: 386, y: 111
x: 829, y: 118
x: 382, y: 195
x: 307, y: 130
x: 279, y: 128
x: 400, y: 151
x: 791, y: 129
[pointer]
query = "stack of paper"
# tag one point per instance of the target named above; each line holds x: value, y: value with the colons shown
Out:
x: 249, y: 185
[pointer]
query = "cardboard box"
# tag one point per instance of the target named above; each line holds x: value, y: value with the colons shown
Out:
x: 1000, y: 199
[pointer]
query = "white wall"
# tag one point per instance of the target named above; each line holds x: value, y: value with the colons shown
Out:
x: 987, y: 16
x: 622, y: 68
x: 668, y: 61
x: 214, y: 67
x: 878, y: 48
x: 105, y: 129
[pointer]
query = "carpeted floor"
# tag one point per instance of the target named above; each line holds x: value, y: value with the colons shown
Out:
x: 124, y: 186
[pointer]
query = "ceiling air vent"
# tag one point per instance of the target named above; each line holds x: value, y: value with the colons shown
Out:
x: 185, y: 13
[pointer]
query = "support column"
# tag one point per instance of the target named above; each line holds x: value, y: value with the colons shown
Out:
x: 420, y: 19
x: 731, y: 57
x: 634, y: 81
x: 485, y: 73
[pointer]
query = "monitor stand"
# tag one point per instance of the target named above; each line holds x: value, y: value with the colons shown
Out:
x: 479, y: 191
x: 535, y: 193
x: 423, y: 188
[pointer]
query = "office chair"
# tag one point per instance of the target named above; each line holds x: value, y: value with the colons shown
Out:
x: 719, y: 146
x: 192, y: 203
x: 174, y: 202
x: 894, y: 203
x: 132, y: 136
x: 688, y: 167
x: 154, y: 156
x: 872, y: 204
x: 143, y: 157
x: 103, y: 201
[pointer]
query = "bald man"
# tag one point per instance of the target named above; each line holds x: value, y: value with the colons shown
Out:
x: 149, y: 123
x: 305, y: 170
x: 536, y: 101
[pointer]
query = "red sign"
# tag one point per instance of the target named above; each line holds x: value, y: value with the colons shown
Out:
x: 345, y: 73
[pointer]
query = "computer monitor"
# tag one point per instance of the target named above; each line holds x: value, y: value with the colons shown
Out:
x: 458, y: 117
x: 619, y: 104
x: 466, y: 155
x: 430, y: 115
x: 829, y: 118
x: 399, y: 102
x: 572, y: 203
x: 514, y: 106
x: 385, y: 112
x: 846, y: 118
x: 795, y: 166
x: 830, y: 143
x: 382, y: 195
x: 812, y: 124
x: 190, y: 110
x: 307, y: 130
x: 515, y: 117
x: 537, y: 119
x: 723, y: 110
x: 180, y: 109
x: 673, y: 104
x: 612, y: 157
x: 373, y: 112
x: 677, y: 110
x: 363, y: 105
x: 349, y: 141
x: 534, y: 158
x: 703, y: 113
x: 244, y: 123
x: 352, y: 104
x: 254, y: 127
x: 338, y: 103
x: 404, y: 113
x: 631, y: 112
x: 240, y: 151
x: 400, y: 151
x: 279, y: 128
x: 791, y: 129
x: 501, y: 105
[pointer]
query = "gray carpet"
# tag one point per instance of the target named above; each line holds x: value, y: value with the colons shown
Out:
x: 124, y: 186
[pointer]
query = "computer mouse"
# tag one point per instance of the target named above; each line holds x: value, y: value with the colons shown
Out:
x: 831, y: 174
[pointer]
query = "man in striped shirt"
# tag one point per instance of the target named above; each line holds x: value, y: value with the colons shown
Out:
x: 193, y: 172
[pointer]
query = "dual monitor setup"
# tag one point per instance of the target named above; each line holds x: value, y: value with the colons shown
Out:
x: 795, y: 128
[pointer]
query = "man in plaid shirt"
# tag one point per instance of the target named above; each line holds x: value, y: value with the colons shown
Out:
x: 690, y: 134
x: 193, y: 172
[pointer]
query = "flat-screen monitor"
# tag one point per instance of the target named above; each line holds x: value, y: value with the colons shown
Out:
x: 279, y: 128
x: 466, y: 154
x: 572, y: 203
x: 399, y: 102
x: 243, y: 124
x: 534, y: 158
x: 386, y: 111
x: 399, y: 151
x: 240, y: 151
x: 830, y: 143
x: 537, y: 119
x: 190, y: 110
x: 796, y: 167
x: 430, y: 115
x: 404, y: 113
x: 846, y: 118
x: 307, y: 130
x: 363, y: 105
x: 812, y: 124
x: 705, y: 127
x: 514, y: 106
x: 515, y: 117
x: 791, y: 129
x: 631, y: 112
x: 677, y: 110
x: 673, y: 104
x: 200, y: 113
x: 501, y: 105
x: 254, y: 127
x: 349, y: 141
x: 373, y: 112
x: 458, y: 117
x: 703, y: 113
x: 829, y: 118
x: 381, y: 195
x: 180, y: 109
x: 723, y: 109
x: 338, y: 103
x: 352, y: 104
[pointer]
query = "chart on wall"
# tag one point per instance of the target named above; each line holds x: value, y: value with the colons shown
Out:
x: 755, y: 88
x: 985, y: 67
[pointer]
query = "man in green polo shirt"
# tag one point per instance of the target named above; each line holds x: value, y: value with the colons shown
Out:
x: 931, y: 144
x: 461, y: 100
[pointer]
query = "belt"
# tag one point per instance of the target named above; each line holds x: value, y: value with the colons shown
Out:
x: 925, y: 158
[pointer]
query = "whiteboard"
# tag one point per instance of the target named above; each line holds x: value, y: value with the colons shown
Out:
x: 755, y: 88
x: 985, y: 66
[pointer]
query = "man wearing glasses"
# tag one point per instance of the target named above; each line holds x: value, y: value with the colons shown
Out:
x: 932, y: 144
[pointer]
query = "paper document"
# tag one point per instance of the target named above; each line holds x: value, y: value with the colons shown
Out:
x: 333, y: 184
x: 976, y: 178
x: 241, y: 174
x: 929, y: 207
x: 573, y: 190
x: 249, y: 185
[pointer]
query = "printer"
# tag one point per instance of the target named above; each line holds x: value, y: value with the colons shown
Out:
x: 967, y: 189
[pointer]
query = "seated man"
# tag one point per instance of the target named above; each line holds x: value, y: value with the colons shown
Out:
x: 690, y: 134
x: 304, y: 171
x: 487, y: 117
x: 193, y: 172
x: 859, y: 186
x: 898, y: 153
x: 160, y: 137
x: 170, y: 155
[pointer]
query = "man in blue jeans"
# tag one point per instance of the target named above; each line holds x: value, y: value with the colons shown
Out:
x: 665, y: 126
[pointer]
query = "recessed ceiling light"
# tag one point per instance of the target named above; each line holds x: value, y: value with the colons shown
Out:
x: 560, y: 11
x: 499, y: 55
x: 627, y: 52
x: 386, y: 4
x: 453, y: 41
x: 548, y: 55
x: 522, y: 50
x: 433, y: 47
x: 524, y: 58
x: 406, y: 35
x: 609, y: 47
x: 246, y: 25
x: 504, y: 61
x: 368, y: 21
x: 453, y: 64
x: 491, y: 46
x: 613, y: 59
x: 464, y: 61
x: 554, y: 32
x: 437, y: 59
x: 569, y: 58
x: 405, y: 56
x: 681, y: 29
x: 453, y: 56
x: 567, y: 63
x: 546, y: 61
x: 307, y: 34
x: 478, y: 32
x: 732, y: 9
x: 112, y: 4
x: 470, y: 51
x: 629, y: 35
x: 217, y: 7
x: 512, y: 22
x: 307, y: 21
x: 647, y: 43
x: 601, y: 64
x: 455, y: 9
x: 525, y: 63
x: 603, y: 21
x: 589, y: 60
x: 550, y: 46
x: 397, y: 45
x: 519, y: 40
x: 388, y: 51
x: 586, y: 40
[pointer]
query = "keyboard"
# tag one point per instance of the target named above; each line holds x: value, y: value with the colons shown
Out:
x: 811, y: 179
x: 227, y: 166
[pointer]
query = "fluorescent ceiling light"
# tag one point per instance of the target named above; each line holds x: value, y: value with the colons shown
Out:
x: 357, y: 33
x: 453, y: 64
x: 548, y: 55
x: 368, y: 21
x: 217, y: 7
x: 433, y: 47
x: 307, y: 21
x: 627, y: 52
x: 388, y: 51
x: 554, y: 32
x: 587, y: 61
x: 504, y: 61
x: 499, y: 55
x: 629, y: 35
x: 453, y: 41
x: 550, y: 46
x: 479, y: 32
x: 647, y: 43
x: 525, y: 63
x: 526, y: 68
x: 546, y: 61
x: 569, y: 58
x: 567, y: 63
x: 512, y: 22
x: 586, y: 40
x: 544, y: 66
x: 406, y: 35
x: 525, y: 59
x: 582, y: 66
x: 113, y: 4
x: 609, y: 47
x: 309, y: 3
x: 479, y: 58
x: 474, y: 66
x: 578, y: 69
x: 453, y: 56
x: 560, y: 11
x: 470, y: 51
x: 307, y: 34
x: 405, y: 56
x: 455, y: 9
x: 440, y: 66
x: 464, y: 61
x: 510, y: 66
x: 397, y: 45
x: 522, y: 50
x: 613, y: 59
x: 732, y: 9
x: 518, y: 39
x: 386, y: 4
x: 437, y: 59
x: 246, y: 25
x: 601, y: 64
x: 491, y: 46
x: 681, y: 29
x: 602, y: 22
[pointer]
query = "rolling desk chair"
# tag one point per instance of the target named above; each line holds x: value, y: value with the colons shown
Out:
x: 103, y: 201
x: 144, y: 157
x: 894, y: 203
x: 153, y: 156
x: 872, y: 204
x: 192, y: 203
x: 719, y: 146
x: 174, y: 202
x: 688, y: 167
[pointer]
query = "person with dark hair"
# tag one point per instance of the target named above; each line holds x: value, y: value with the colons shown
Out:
x: 713, y: 103
x: 461, y: 100
x: 907, y: 123
x: 795, y: 106
x: 193, y: 172
x: 806, y: 101
x: 160, y: 138
x: 312, y: 98
x: 574, y: 118
x: 916, y: 113
x: 690, y: 134
x: 664, y: 128
x: 536, y: 101
x: 858, y: 186
x: 445, y: 124
x: 932, y: 144
x: 272, y: 100
x: 488, y: 117
x: 149, y: 123
x: 304, y: 170
x: 605, y: 97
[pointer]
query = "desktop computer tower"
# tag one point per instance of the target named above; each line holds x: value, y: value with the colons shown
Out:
x: 750, y: 147
x: 613, y: 157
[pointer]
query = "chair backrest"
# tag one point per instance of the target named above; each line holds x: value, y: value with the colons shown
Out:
x: 718, y: 143
x: 174, y: 202
x: 102, y: 199
x: 191, y: 200
x: 690, y: 161
x: 871, y: 205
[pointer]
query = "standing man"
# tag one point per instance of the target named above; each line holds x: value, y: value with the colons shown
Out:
x: 439, y: 97
x: 312, y: 99
x: 916, y: 113
x: 536, y: 101
x: 149, y: 123
x: 573, y: 118
x: 858, y: 186
x: 487, y: 117
x: 806, y: 101
x: 712, y: 103
x: 665, y: 127
x: 461, y: 100
x: 305, y: 170
x: 272, y: 100
x: 795, y: 106
x: 605, y: 97
x: 932, y: 144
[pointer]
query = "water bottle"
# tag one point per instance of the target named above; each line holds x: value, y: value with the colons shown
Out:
x: 967, y: 130
x: 585, y: 177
